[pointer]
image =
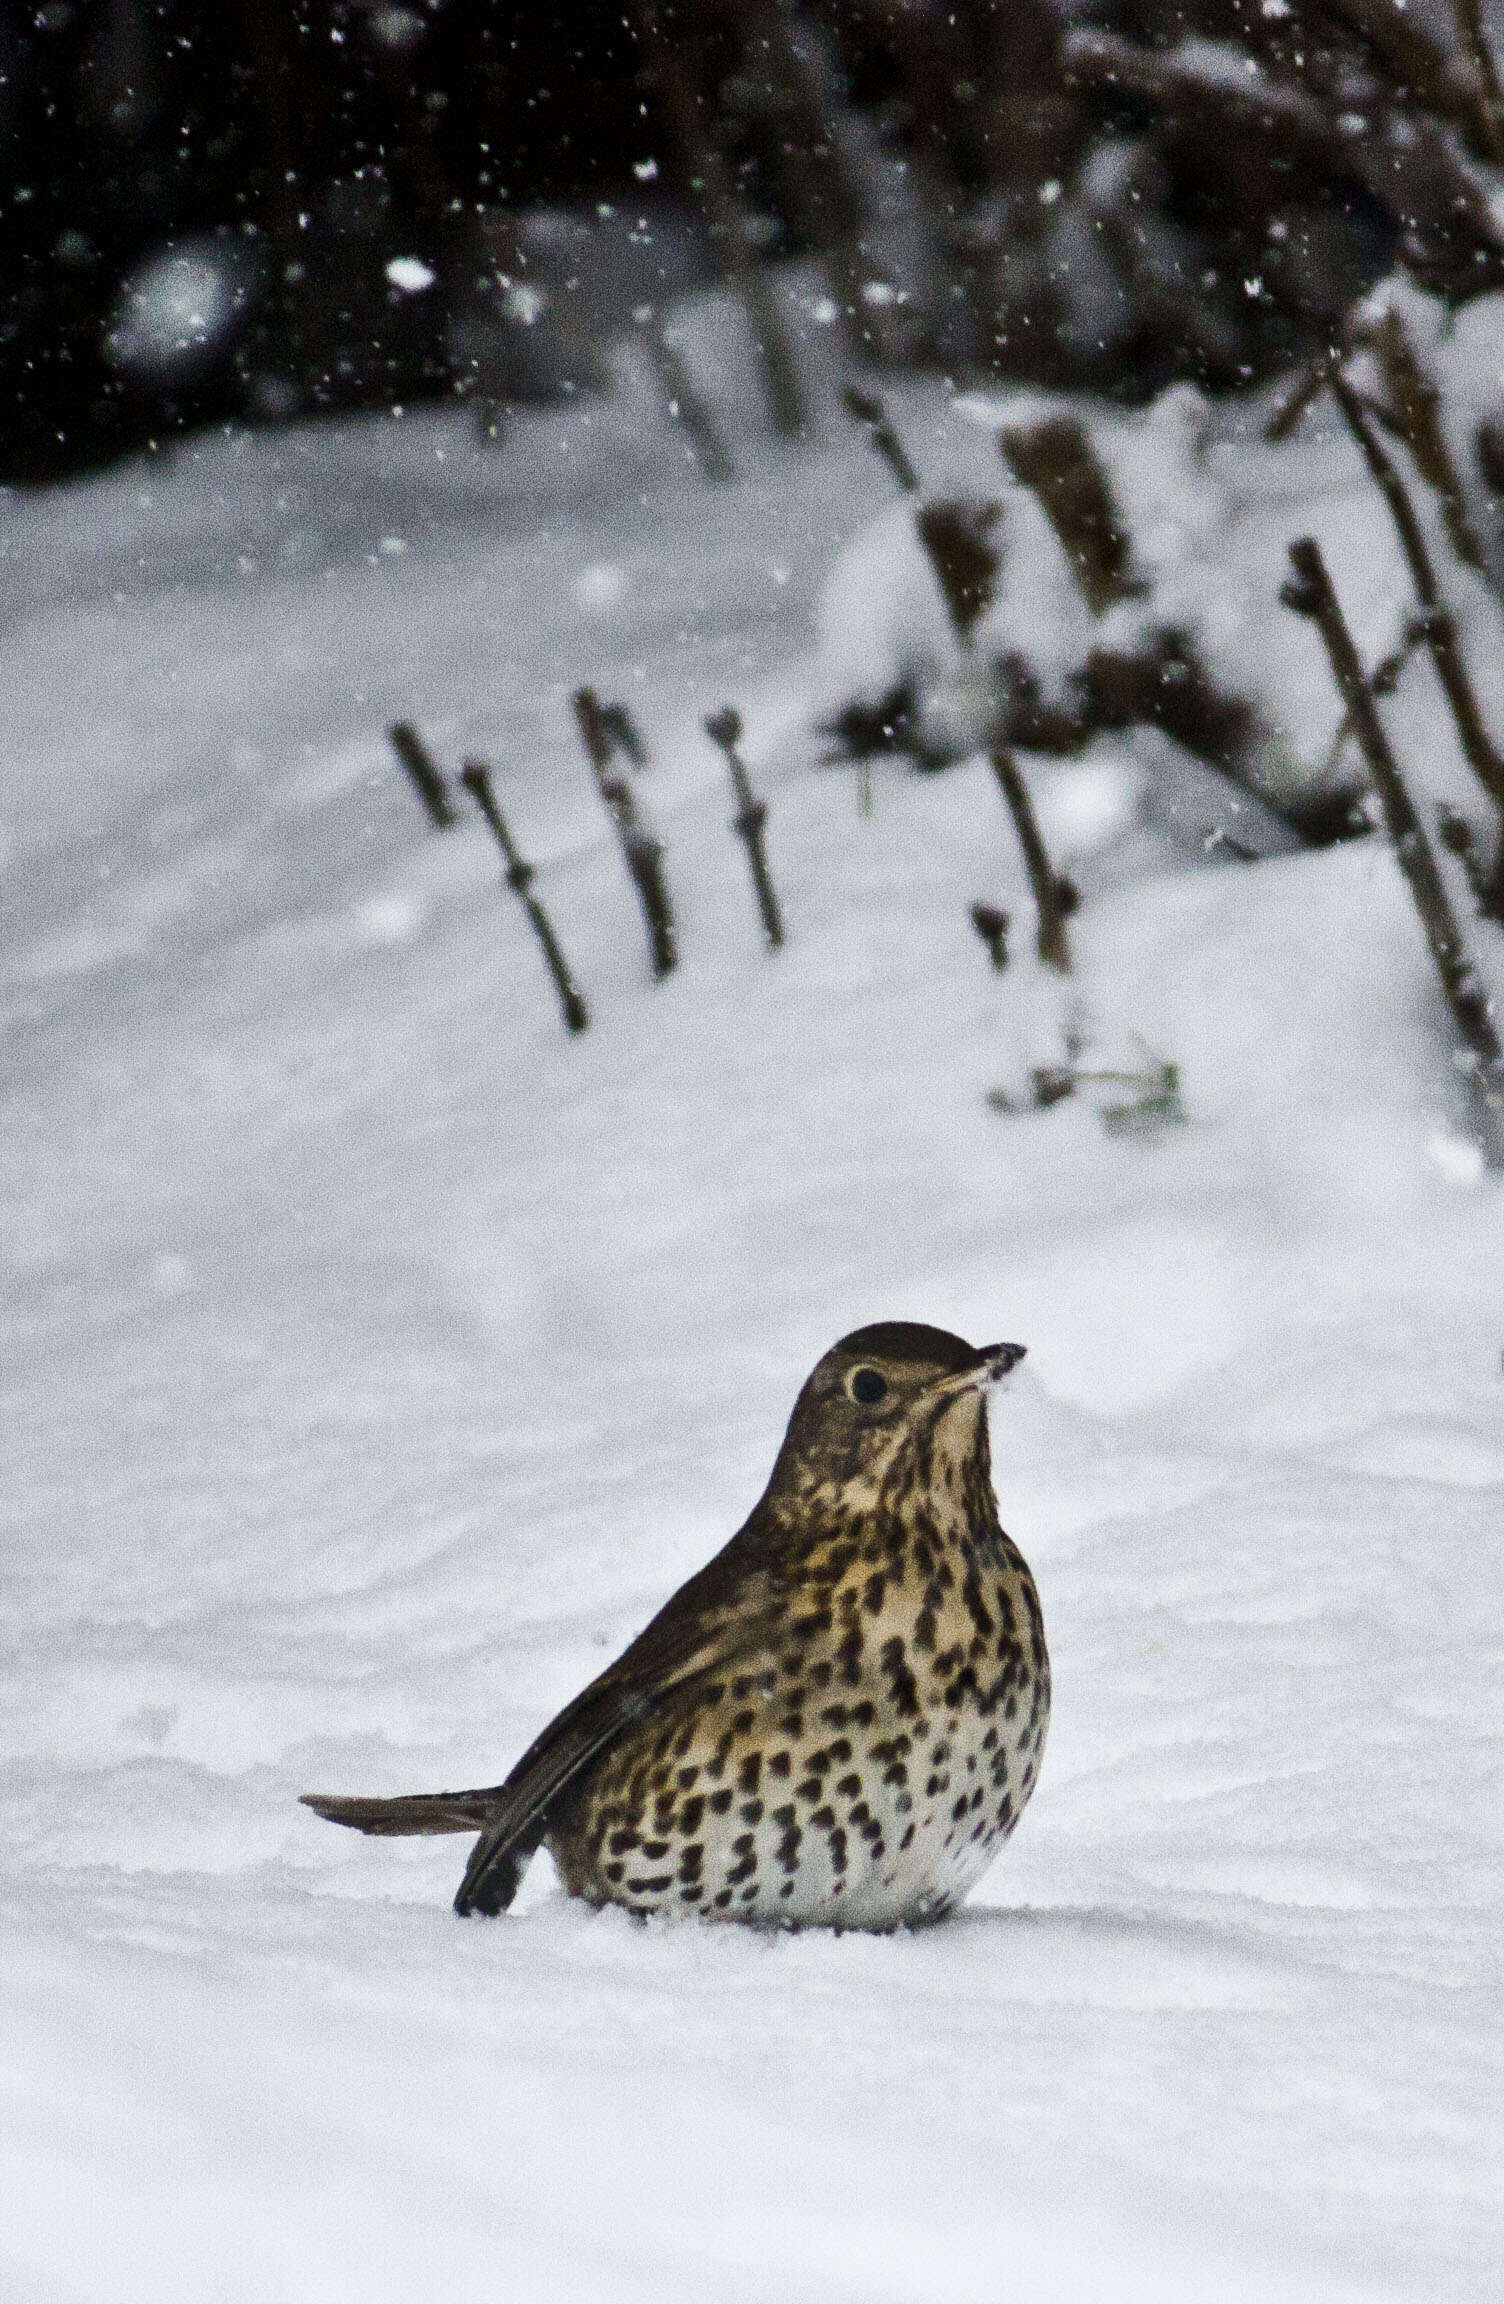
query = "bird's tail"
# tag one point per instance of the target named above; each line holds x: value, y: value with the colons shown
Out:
x: 409, y: 1813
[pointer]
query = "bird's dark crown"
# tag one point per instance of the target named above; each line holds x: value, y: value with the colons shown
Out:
x: 910, y: 1341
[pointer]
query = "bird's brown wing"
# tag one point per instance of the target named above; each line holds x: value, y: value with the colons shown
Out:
x: 718, y: 1622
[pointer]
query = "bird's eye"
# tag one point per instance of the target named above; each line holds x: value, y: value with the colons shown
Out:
x: 868, y: 1387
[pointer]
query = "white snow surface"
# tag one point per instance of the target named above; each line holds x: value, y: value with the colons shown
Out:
x: 375, y: 1359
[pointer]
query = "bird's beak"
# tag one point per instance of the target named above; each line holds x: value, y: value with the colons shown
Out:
x: 991, y: 1363
x: 995, y: 1361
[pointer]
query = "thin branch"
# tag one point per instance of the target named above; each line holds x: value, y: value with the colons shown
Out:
x: 642, y: 854
x: 868, y: 411
x: 992, y: 926
x: 687, y: 404
x: 1302, y: 393
x: 1054, y: 898
x: 624, y: 733
x: 1439, y: 625
x: 711, y: 178
x: 1382, y: 681
x: 477, y: 781
x: 1416, y: 403
x: 424, y: 772
x: 1310, y: 594
x: 724, y: 730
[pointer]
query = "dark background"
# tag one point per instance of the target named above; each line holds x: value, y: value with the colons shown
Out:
x: 322, y: 133
x: 301, y: 144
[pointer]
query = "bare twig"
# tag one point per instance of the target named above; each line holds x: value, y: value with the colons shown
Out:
x: 1054, y: 898
x: 707, y: 172
x: 1417, y: 409
x: 1300, y: 394
x: 476, y: 779
x: 422, y: 768
x: 1438, y: 624
x: 687, y: 404
x: 1310, y: 594
x: 1175, y: 80
x: 724, y: 730
x: 1057, y: 463
x: 642, y: 854
x: 957, y: 537
x: 869, y: 411
x: 1382, y: 681
x: 624, y: 733
x: 992, y: 926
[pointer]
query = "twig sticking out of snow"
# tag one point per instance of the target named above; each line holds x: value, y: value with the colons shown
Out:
x: 1416, y: 406
x: 1310, y: 594
x: 992, y: 926
x: 477, y: 781
x: 643, y: 854
x: 1438, y: 624
x: 705, y: 168
x: 958, y: 539
x: 423, y: 769
x: 687, y: 404
x: 624, y: 733
x: 868, y: 411
x: 1054, y: 897
x: 724, y: 730
x: 1057, y: 463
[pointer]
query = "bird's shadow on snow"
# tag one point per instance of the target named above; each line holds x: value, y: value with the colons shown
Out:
x: 1067, y: 1955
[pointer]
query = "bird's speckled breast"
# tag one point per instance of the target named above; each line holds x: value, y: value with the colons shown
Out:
x: 865, y: 1767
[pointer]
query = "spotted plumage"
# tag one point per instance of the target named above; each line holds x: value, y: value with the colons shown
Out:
x: 838, y: 1720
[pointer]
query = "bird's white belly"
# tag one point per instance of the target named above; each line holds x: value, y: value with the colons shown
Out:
x: 873, y: 1845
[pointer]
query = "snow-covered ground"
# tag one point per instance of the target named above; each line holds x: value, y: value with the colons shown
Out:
x: 375, y: 1359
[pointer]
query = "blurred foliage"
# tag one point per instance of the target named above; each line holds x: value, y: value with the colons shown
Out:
x: 1106, y: 193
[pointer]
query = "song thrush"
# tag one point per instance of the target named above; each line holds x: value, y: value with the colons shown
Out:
x: 837, y: 1721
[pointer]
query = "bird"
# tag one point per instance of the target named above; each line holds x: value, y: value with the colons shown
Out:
x: 837, y: 1721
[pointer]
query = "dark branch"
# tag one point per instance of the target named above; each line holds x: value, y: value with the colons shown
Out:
x: 1310, y: 594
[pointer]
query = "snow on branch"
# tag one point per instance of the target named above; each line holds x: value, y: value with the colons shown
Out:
x: 1481, y: 1059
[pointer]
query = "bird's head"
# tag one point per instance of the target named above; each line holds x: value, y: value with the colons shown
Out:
x: 898, y: 1399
